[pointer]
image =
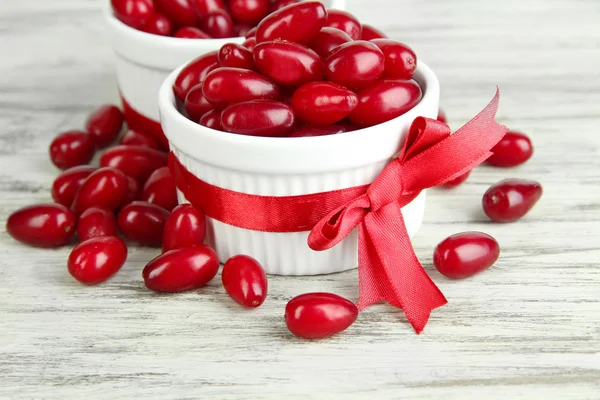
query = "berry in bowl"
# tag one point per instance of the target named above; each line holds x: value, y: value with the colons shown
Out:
x: 306, y: 109
x: 153, y: 37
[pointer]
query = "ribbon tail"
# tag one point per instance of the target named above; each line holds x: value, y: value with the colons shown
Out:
x: 389, y: 268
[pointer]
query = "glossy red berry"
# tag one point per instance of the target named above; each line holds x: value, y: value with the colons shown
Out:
x: 135, y: 161
x: 370, y: 33
x: 135, y: 13
x: 514, y: 149
x: 212, y: 120
x: 249, y: 11
x: 250, y: 43
x: 298, y: 23
x: 96, y: 260
x: 442, y: 116
x: 104, y: 124
x: 67, y: 184
x: 355, y: 64
x: 319, y: 315
x: 138, y: 138
x: 160, y: 189
x: 459, y: 180
x: 96, y: 222
x: 185, y: 227
x: 465, y: 254
x: 323, y: 103
x: 510, y: 199
x: 400, y: 60
x: 42, y: 225
x: 344, y: 21
x: 235, y: 56
x: 288, y: 64
x: 309, y: 130
x: 181, y: 12
x: 182, y: 269
x: 245, y: 281
x: 225, y: 86
x: 191, y: 32
x: 196, y: 104
x: 328, y: 39
x: 106, y: 188
x: 194, y: 73
x: 143, y: 222
x: 219, y: 24
x: 258, y: 118
x: 158, y: 25
x: 385, y: 100
x: 205, y: 7
x: 73, y: 148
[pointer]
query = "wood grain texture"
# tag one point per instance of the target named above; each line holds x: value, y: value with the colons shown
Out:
x: 527, y: 328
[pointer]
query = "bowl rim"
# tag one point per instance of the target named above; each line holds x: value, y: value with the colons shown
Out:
x: 168, y: 109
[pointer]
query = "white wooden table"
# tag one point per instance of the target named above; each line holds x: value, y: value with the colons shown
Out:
x: 527, y: 328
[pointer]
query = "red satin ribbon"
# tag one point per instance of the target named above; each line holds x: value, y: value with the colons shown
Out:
x: 139, y: 122
x: 388, y: 267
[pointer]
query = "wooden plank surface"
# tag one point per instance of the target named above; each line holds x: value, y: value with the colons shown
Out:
x: 527, y: 328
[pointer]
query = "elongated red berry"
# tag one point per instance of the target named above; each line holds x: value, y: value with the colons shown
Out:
x: 514, y: 149
x: 510, y: 199
x: 465, y: 254
x: 245, y: 281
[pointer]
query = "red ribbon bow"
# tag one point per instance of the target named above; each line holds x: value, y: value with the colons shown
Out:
x: 388, y: 267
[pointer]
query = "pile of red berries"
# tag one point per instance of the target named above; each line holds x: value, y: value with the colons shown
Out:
x: 304, y: 71
x: 195, y: 19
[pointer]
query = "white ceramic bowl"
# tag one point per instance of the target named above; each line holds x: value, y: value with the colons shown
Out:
x: 292, y: 166
x: 144, y: 60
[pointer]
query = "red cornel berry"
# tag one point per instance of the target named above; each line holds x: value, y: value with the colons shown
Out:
x: 158, y: 25
x: 319, y: 315
x: 510, y: 199
x: 42, y: 225
x: 180, y: 270
x: 104, y: 124
x: 245, y: 281
x: 323, y: 103
x: 384, y: 101
x: 143, y: 222
x: 194, y: 73
x: 327, y: 40
x: 235, y: 56
x: 96, y: 260
x: 344, y: 21
x: 73, y: 148
x: 400, y: 60
x: 465, y: 254
x: 135, y: 138
x: 355, y: 64
x: 105, y: 187
x: 219, y: 24
x: 185, y: 227
x: 160, y: 189
x: 288, y: 64
x: 249, y: 11
x: 514, y: 149
x: 135, y: 13
x: 259, y: 118
x: 370, y: 33
x: 224, y: 86
x: 298, y: 23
